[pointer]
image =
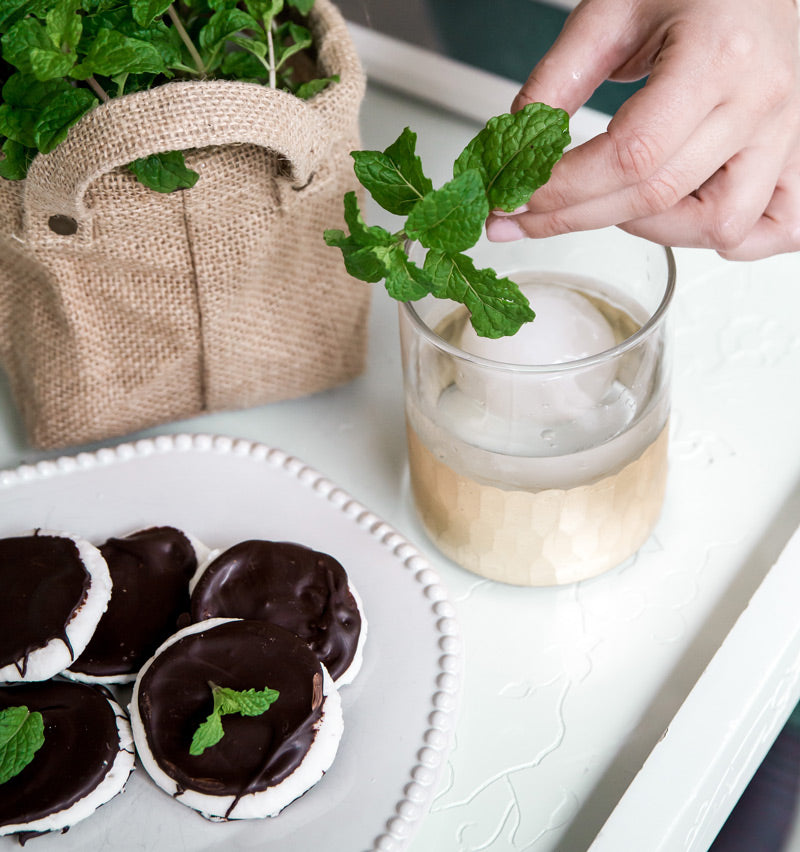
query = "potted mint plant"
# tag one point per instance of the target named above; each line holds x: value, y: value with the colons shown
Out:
x: 167, y: 171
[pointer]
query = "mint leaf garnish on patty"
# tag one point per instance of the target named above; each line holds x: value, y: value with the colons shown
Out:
x: 21, y: 736
x: 249, y: 702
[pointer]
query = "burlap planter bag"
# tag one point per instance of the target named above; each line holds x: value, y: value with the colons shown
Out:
x: 160, y: 307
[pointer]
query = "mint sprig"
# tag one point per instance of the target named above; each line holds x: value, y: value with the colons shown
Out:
x: 21, y: 736
x: 500, y: 168
x: 249, y: 702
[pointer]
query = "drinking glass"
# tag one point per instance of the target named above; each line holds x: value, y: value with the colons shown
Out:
x: 541, y: 459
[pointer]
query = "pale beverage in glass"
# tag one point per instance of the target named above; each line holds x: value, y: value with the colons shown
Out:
x: 541, y: 458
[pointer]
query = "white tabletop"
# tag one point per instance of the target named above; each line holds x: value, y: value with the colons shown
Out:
x: 568, y: 692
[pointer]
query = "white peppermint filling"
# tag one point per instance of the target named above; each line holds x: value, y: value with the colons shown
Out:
x: 349, y: 674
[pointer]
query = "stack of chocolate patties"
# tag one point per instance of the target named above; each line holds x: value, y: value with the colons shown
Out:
x: 269, y: 632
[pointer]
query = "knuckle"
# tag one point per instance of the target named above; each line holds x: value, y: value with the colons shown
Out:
x: 658, y: 193
x: 552, y: 196
x: 736, y: 47
x: 739, y: 46
x: 636, y: 155
x: 780, y: 84
x: 727, y: 233
x: 556, y: 224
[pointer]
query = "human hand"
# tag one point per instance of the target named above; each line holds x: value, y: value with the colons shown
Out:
x: 706, y: 154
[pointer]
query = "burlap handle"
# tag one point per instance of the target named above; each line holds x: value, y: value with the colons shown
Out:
x: 170, y: 118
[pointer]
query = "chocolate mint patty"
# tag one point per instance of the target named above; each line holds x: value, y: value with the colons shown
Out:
x: 256, y: 752
x: 80, y: 744
x: 286, y: 584
x: 150, y: 571
x: 44, y: 582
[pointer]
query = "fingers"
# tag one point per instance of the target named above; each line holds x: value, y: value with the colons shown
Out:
x: 736, y: 212
x: 723, y: 212
x: 663, y: 189
x: 647, y: 131
x: 778, y: 230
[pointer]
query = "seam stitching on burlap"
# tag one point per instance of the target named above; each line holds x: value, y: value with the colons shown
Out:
x: 201, y: 353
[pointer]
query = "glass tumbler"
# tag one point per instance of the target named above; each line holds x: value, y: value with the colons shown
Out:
x: 541, y: 459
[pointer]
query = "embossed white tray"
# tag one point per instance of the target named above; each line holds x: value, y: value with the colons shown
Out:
x: 400, y: 711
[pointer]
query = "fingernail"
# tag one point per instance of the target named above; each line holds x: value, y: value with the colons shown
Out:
x: 504, y: 230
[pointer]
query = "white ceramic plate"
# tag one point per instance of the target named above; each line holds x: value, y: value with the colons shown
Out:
x: 399, y: 712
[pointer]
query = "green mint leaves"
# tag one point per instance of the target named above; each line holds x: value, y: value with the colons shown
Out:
x: 500, y: 168
x: 395, y: 178
x: 515, y: 154
x: 21, y: 736
x: 164, y: 172
x: 249, y: 702
x: 61, y: 58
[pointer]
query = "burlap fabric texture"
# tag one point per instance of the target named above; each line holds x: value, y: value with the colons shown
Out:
x: 224, y: 296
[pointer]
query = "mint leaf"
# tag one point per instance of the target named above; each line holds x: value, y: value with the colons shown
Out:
x: 302, y: 6
x: 208, y: 734
x: 248, y: 702
x: 515, y: 153
x: 368, y: 235
x: 451, y: 218
x: 46, y: 51
x: 64, y: 25
x: 164, y: 172
x: 405, y: 281
x: 11, y: 11
x: 314, y: 87
x: 14, y: 164
x: 28, y: 46
x: 257, y: 48
x: 21, y: 736
x: 27, y: 100
x: 113, y: 53
x: 222, y: 25
x: 497, y: 306
x: 59, y: 115
x: 394, y: 178
x: 290, y: 38
x: 146, y: 11
x: 367, y: 251
x: 244, y: 64
x: 264, y: 10
x: 366, y: 262
x: 50, y: 64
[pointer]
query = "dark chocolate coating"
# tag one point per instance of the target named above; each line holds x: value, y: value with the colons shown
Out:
x: 43, y: 582
x: 150, y: 572
x: 256, y: 752
x: 80, y: 744
x: 286, y: 584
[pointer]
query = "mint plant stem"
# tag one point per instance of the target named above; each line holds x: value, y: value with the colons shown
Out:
x: 271, y: 50
x: 97, y: 89
x: 181, y: 30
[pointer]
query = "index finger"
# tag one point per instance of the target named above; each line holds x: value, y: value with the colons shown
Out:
x: 585, y: 53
